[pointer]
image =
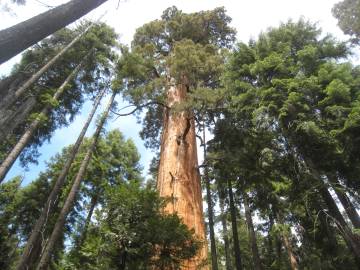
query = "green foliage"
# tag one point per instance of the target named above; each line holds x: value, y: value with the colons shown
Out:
x: 290, y: 95
x: 129, y: 227
x: 179, y: 48
x: 130, y: 230
x: 348, y: 13
x: 92, y: 77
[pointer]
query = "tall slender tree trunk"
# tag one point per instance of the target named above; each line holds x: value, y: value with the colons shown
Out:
x: 287, y: 244
x: 17, y: 38
x: 214, y: 263
x: 222, y: 196
x: 352, y: 240
x: 252, y: 236
x: 277, y: 250
x: 59, y: 225
x: 9, y: 100
x: 345, y: 201
x: 179, y: 176
x: 52, y: 200
x: 25, y: 138
x: 288, y: 247
x: 237, y: 253
x: 329, y: 230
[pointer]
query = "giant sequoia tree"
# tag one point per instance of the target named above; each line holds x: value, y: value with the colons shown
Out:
x: 283, y: 162
x: 170, y: 58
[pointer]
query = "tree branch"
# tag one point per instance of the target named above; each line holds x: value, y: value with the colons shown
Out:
x: 138, y: 107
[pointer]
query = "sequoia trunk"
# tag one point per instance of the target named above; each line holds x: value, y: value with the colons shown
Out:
x: 17, y: 38
x: 179, y: 176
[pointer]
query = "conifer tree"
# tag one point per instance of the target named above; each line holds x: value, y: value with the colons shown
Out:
x: 92, y: 76
x: 59, y: 225
x: 168, y: 61
x: 51, y: 201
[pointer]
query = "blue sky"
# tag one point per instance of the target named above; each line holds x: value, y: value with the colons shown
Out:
x: 250, y: 17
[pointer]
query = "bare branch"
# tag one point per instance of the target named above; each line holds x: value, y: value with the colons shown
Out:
x: 138, y: 107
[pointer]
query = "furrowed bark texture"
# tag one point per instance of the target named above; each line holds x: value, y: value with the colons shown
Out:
x: 55, y: 193
x: 179, y: 176
x: 19, y: 37
x: 60, y: 222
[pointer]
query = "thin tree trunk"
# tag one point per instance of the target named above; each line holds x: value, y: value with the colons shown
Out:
x: 179, y: 176
x: 345, y: 201
x: 9, y: 100
x: 59, y: 225
x: 122, y: 260
x: 292, y: 258
x: 287, y: 244
x: 277, y: 243
x: 329, y: 230
x: 17, y: 38
x: 252, y: 236
x: 228, y: 264
x: 214, y: 263
x: 237, y: 252
x: 14, y: 119
x: 52, y: 199
x: 25, y: 138
x: 351, y: 239
x: 82, y: 238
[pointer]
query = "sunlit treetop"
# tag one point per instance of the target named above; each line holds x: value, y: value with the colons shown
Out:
x: 204, y: 27
x: 178, y: 48
x: 177, y: 45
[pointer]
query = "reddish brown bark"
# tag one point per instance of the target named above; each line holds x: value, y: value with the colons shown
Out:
x: 179, y: 177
